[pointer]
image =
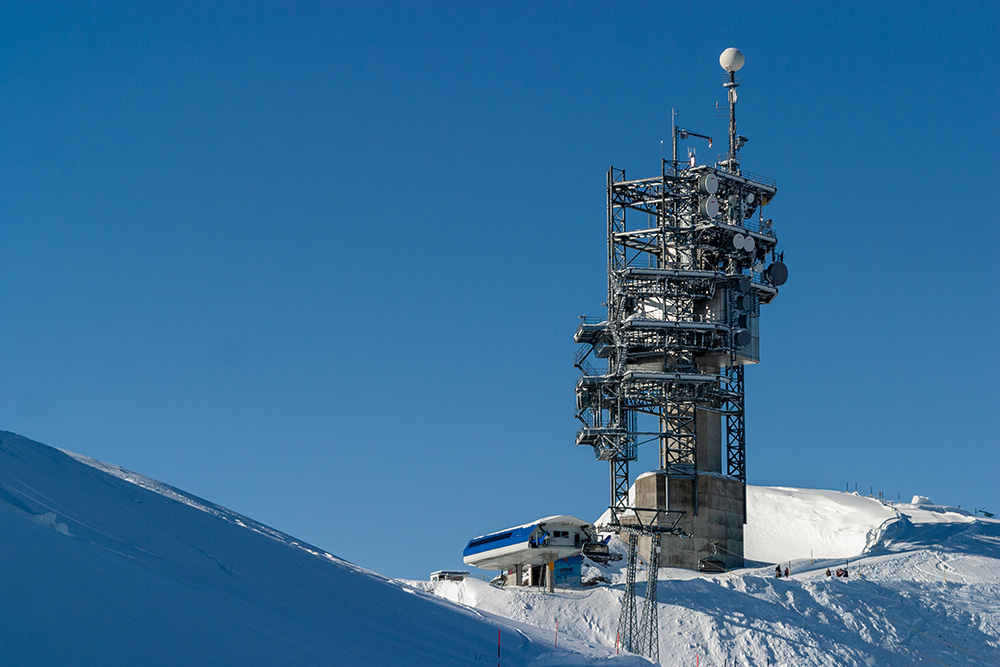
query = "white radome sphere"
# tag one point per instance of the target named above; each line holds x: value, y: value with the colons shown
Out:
x: 731, y: 59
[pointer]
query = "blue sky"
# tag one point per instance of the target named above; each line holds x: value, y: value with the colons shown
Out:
x: 322, y: 262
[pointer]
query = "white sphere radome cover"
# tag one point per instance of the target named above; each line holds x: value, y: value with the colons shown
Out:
x: 731, y: 59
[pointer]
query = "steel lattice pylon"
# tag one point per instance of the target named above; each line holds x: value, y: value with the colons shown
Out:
x: 649, y: 626
x: 641, y: 635
x: 627, y: 630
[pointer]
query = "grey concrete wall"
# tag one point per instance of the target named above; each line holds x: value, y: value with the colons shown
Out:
x: 651, y: 491
x: 719, y: 519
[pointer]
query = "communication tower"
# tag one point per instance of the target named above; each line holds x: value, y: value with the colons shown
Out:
x: 691, y: 260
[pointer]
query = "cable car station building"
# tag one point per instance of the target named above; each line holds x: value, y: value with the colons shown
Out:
x: 547, y: 551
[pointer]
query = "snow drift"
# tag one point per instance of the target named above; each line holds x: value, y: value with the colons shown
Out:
x: 781, y: 527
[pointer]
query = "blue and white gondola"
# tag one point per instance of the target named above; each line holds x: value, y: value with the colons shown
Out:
x: 536, y: 543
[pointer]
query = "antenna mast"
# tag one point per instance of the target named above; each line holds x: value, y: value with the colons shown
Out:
x: 686, y: 283
x: 731, y: 61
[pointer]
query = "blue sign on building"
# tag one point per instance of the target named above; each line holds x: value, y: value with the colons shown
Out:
x: 568, y: 571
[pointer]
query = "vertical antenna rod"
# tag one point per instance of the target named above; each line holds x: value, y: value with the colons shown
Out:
x: 673, y: 134
x: 731, y: 61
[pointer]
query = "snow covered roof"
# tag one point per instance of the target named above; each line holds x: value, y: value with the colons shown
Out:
x: 558, y: 518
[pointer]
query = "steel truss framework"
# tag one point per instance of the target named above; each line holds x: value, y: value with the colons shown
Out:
x: 732, y: 407
x: 685, y: 287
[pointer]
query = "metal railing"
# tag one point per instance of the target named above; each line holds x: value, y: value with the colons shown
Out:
x: 757, y: 178
x: 723, y: 163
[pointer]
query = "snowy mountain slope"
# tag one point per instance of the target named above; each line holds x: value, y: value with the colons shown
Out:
x: 923, y: 588
x: 101, y: 566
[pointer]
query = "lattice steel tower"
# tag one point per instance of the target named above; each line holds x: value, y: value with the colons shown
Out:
x: 691, y: 259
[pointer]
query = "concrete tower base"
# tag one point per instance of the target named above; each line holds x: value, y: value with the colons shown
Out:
x: 717, y: 528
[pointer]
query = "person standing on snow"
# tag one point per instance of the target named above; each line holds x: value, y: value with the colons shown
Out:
x: 786, y: 573
x: 777, y: 571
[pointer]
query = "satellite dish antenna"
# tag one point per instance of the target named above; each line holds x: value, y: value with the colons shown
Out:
x: 709, y: 206
x: 708, y: 183
x: 731, y: 59
x: 776, y: 274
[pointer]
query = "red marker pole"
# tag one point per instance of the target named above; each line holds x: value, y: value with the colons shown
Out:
x: 498, y: 647
x: 618, y: 638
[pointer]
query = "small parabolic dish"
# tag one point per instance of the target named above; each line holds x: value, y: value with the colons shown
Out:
x: 742, y: 338
x: 776, y: 274
x: 731, y: 59
x: 710, y: 206
x: 738, y: 241
x: 749, y: 244
x: 708, y: 183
